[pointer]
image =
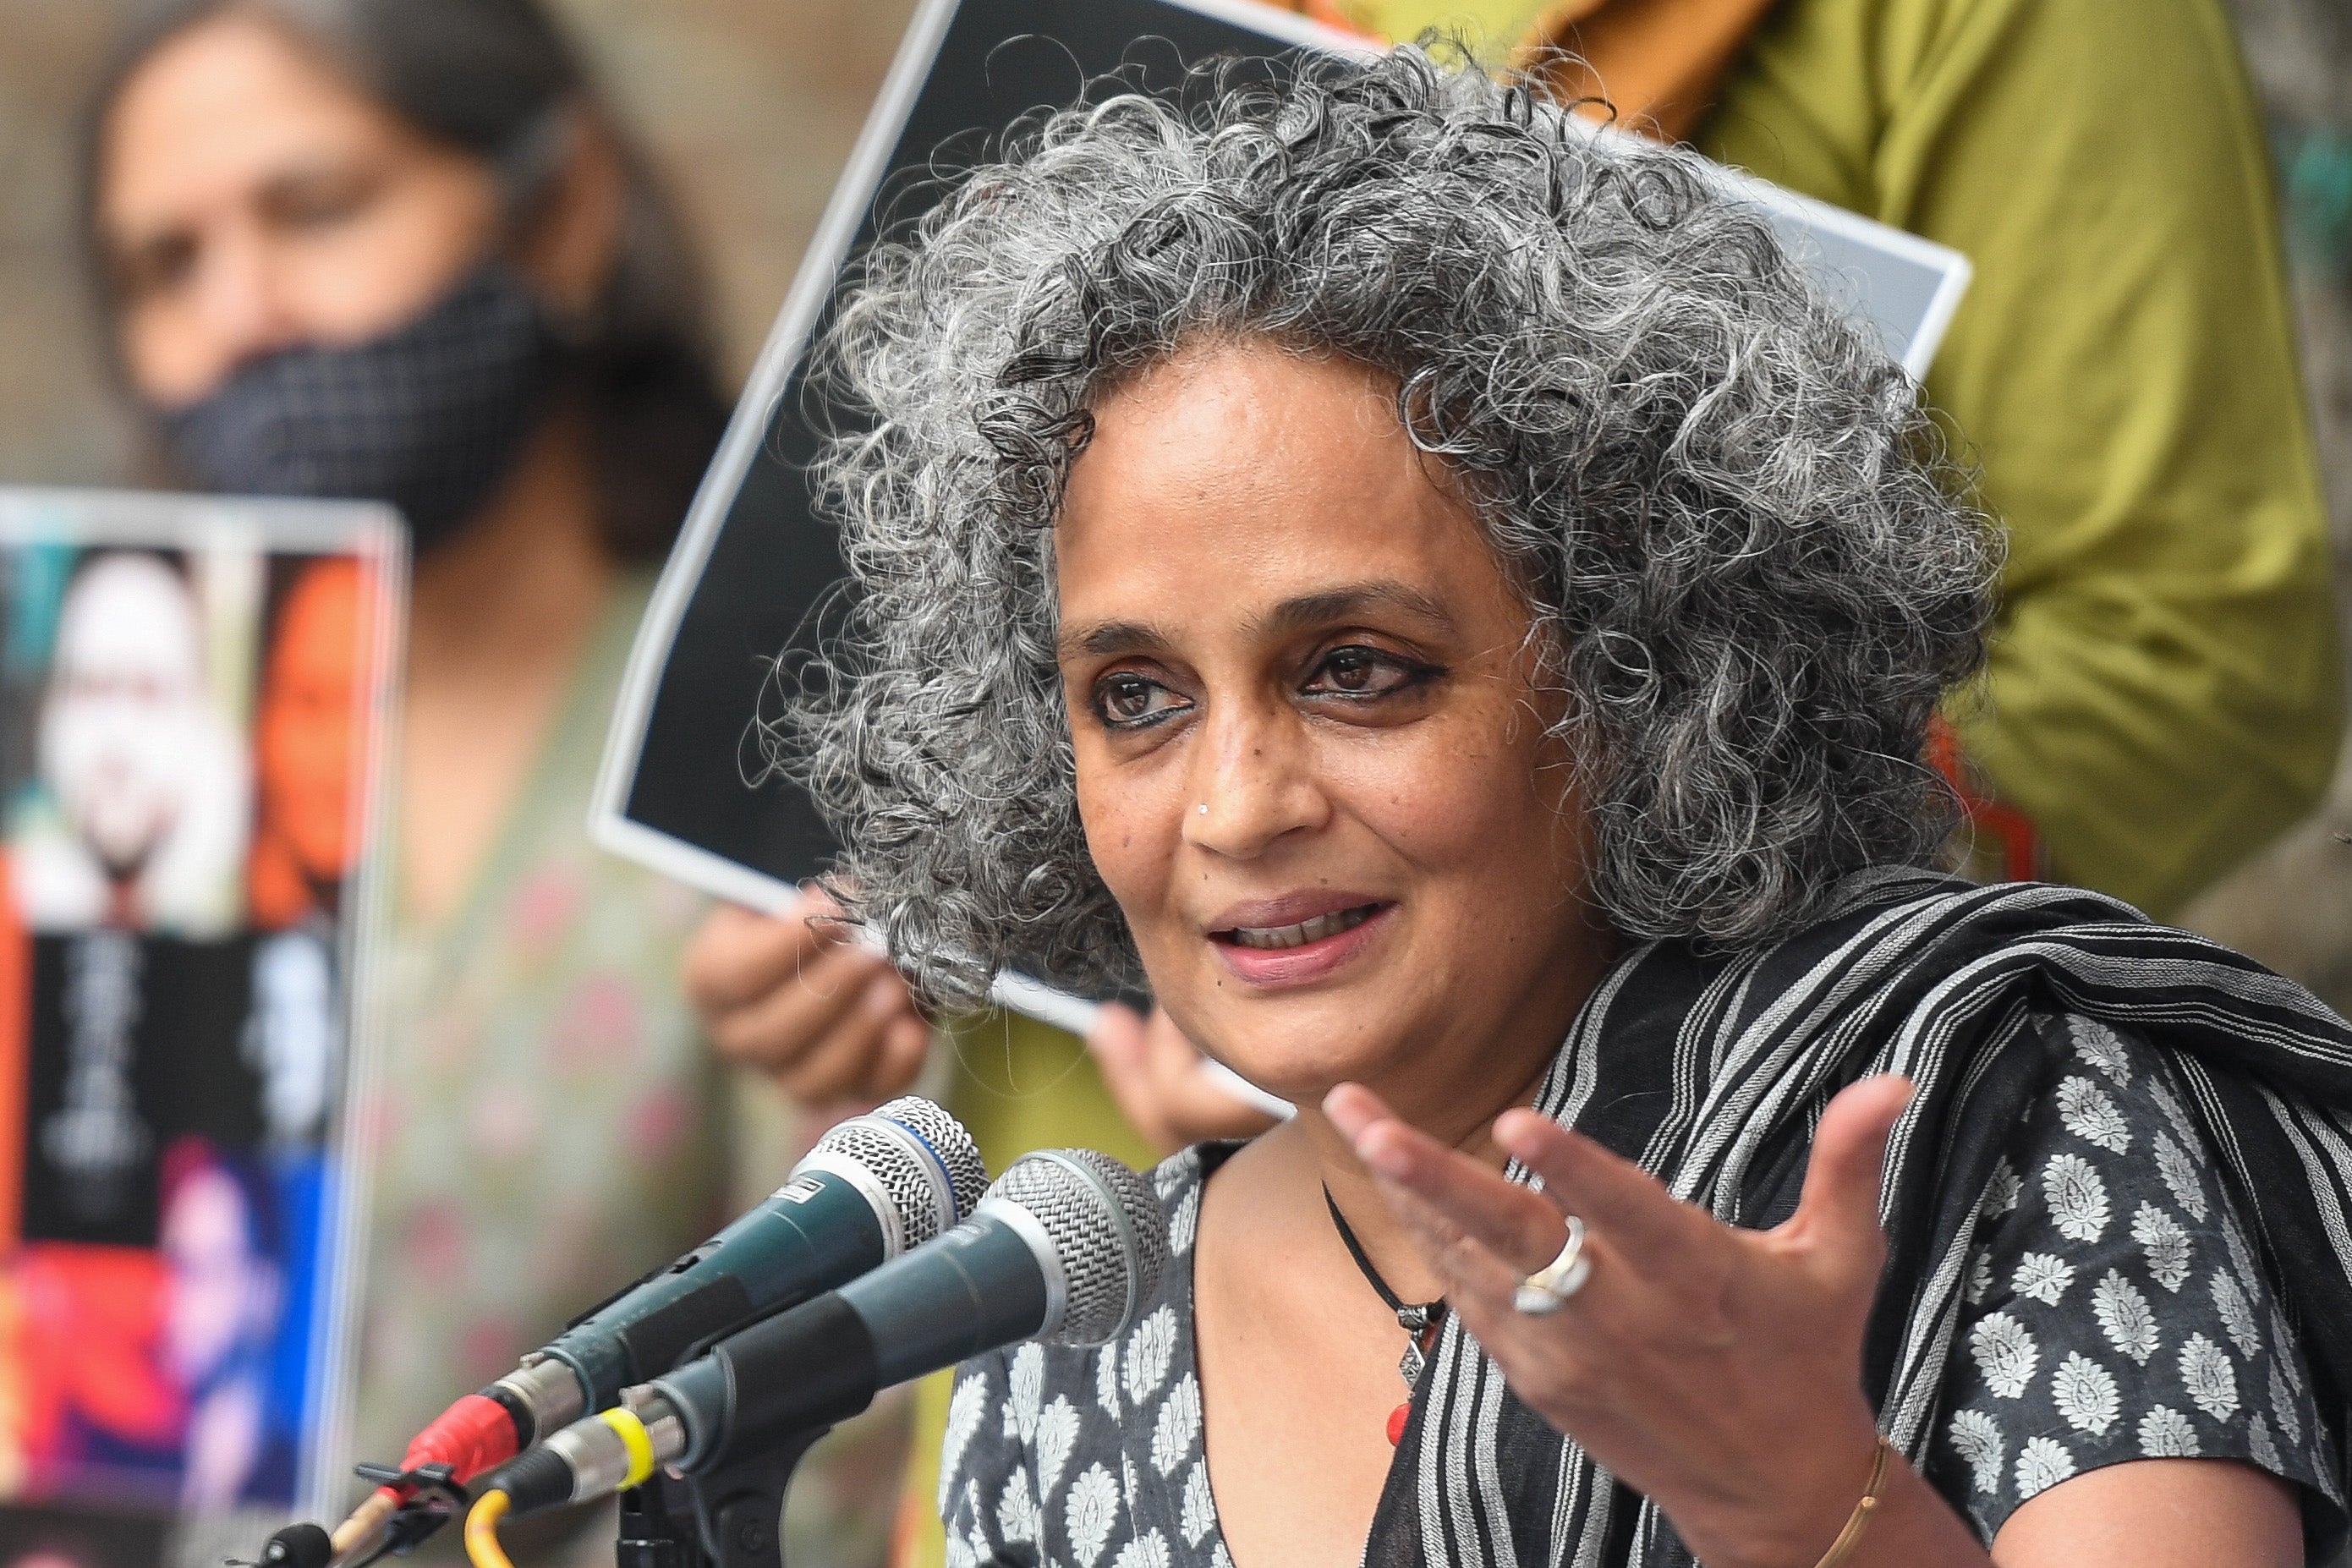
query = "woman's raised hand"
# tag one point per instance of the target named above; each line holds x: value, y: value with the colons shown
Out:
x: 1718, y: 1370
x: 796, y: 997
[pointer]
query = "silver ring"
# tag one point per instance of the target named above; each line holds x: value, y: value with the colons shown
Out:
x: 1547, y: 1290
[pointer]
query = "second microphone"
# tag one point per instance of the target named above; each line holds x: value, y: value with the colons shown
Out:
x: 1067, y: 1248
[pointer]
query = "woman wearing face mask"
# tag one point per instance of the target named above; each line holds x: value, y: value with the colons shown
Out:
x: 397, y: 248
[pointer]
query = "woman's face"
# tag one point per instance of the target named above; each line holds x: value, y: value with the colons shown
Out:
x: 249, y: 199
x: 1312, y: 759
x: 306, y: 731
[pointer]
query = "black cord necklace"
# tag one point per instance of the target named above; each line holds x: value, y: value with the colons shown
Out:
x: 1420, y: 1321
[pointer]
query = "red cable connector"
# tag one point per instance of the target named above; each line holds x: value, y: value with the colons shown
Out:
x: 470, y: 1437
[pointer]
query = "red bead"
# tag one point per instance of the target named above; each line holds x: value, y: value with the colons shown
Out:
x: 1397, y: 1418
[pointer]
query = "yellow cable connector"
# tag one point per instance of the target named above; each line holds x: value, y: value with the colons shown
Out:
x: 635, y: 1439
x: 482, y: 1548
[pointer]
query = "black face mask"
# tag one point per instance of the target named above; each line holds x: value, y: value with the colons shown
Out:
x: 430, y: 417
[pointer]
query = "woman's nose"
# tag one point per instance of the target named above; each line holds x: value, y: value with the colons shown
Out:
x: 242, y: 312
x: 1255, y: 784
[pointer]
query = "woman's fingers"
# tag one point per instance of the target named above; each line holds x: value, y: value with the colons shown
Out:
x: 1503, y: 1218
x: 802, y: 1014
x: 1838, y: 1212
x: 839, y: 1061
x: 1682, y: 1313
x: 1464, y: 1264
x: 1613, y: 1197
x: 1352, y: 1108
x: 1467, y: 1268
x: 897, y: 1060
x: 738, y: 955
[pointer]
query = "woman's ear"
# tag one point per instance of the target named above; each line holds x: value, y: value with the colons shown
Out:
x: 576, y: 238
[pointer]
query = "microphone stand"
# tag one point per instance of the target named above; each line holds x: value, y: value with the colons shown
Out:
x: 731, y: 1516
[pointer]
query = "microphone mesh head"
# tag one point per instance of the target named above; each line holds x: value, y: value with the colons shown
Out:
x: 1110, y: 1230
x: 967, y: 1173
x: 896, y: 1152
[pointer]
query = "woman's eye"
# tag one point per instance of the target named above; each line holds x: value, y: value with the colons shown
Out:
x: 321, y: 202
x: 156, y: 267
x: 1132, y: 701
x: 1355, y: 671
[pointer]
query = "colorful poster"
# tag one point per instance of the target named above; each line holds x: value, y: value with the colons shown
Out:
x: 192, y: 696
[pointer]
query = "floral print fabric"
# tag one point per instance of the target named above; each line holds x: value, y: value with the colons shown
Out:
x: 1090, y: 1458
x: 2116, y: 1310
x: 549, y: 1123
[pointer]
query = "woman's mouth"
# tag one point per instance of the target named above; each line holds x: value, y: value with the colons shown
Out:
x: 1303, y: 932
x: 1300, y: 951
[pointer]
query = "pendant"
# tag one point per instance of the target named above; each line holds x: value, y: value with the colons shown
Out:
x: 1414, y: 1321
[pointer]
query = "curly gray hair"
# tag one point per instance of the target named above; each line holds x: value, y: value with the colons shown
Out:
x: 1724, y: 505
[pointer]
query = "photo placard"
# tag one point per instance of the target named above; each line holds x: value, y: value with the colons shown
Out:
x: 194, y: 696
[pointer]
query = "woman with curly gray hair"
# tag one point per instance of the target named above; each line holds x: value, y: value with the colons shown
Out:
x: 1431, y: 592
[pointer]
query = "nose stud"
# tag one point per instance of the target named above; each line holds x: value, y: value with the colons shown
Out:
x: 1204, y: 808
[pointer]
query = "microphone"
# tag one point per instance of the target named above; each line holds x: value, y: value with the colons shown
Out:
x: 1066, y: 1248
x: 872, y: 1188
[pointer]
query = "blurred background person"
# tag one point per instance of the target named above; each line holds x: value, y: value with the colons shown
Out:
x: 401, y: 250
x: 2165, y: 692
x: 141, y: 822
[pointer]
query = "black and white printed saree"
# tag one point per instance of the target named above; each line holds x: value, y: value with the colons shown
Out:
x: 1712, y: 1071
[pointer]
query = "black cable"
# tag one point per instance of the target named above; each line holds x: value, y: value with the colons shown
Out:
x: 1414, y: 1318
